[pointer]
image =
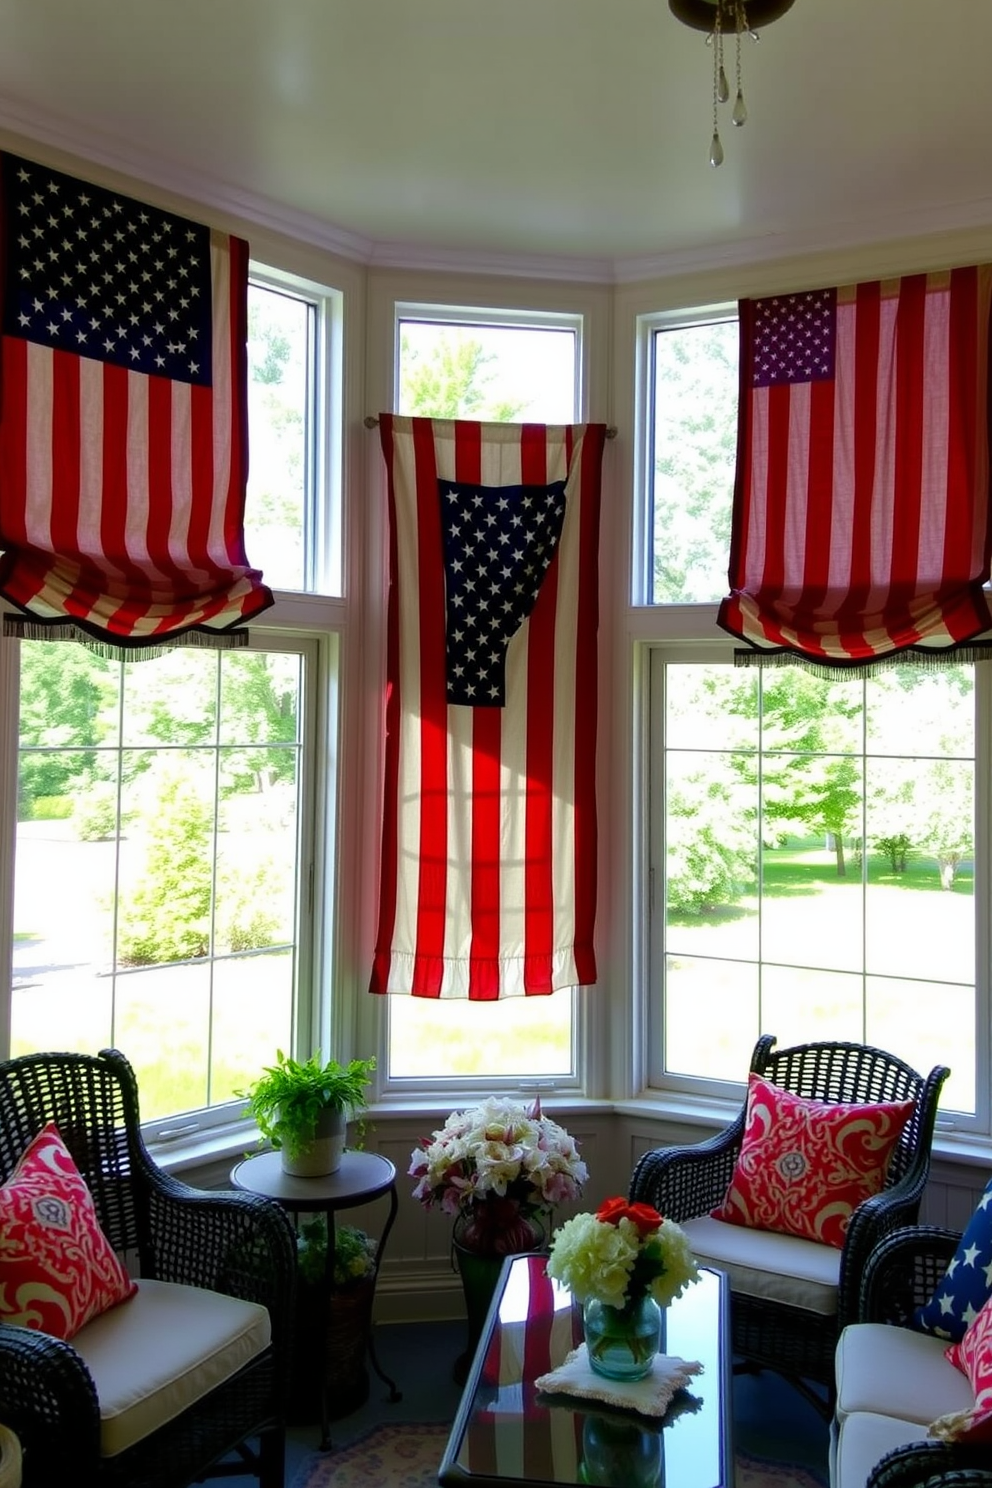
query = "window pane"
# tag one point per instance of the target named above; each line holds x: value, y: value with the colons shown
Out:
x: 900, y: 1015
x: 820, y: 885
x: 157, y: 863
x: 520, y: 1036
x: 502, y: 374
x: 711, y: 1008
x: 695, y: 447
x: 280, y: 376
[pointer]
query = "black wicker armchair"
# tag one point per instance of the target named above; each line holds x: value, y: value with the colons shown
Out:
x: 900, y: 1276
x: 687, y: 1182
x: 902, y: 1273
x: 228, y: 1243
x: 932, y: 1464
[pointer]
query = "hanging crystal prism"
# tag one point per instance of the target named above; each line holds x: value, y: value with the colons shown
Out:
x: 721, y: 90
x: 729, y: 17
x: 739, y: 115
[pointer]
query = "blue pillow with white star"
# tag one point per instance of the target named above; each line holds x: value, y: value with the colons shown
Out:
x: 967, y: 1282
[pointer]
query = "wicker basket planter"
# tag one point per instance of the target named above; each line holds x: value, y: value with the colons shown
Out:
x: 332, y: 1335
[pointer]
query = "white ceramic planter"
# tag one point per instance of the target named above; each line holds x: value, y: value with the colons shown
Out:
x: 324, y: 1153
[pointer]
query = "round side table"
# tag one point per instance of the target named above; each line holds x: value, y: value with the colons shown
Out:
x: 361, y: 1178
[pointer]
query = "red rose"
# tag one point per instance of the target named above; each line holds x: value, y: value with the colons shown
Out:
x: 611, y: 1211
x: 647, y: 1220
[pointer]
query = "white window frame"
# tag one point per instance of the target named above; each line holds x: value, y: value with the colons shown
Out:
x: 689, y: 632
x: 397, y: 1090
x: 487, y: 317
x: 311, y: 836
x: 323, y: 537
x: 642, y: 567
x: 318, y: 620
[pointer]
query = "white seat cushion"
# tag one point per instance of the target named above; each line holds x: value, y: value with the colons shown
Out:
x: 897, y: 1372
x: 154, y: 1355
x: 761, y: 1263
x: 862, y: 1442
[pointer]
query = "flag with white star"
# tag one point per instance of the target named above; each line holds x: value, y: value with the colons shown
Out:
x: 123, y: 414
x: 794, y: 338
x: 488, y: 873
x: 94, y: 272
x: 862, y: 522
x: 966, y: 1285
x: 498, y: 545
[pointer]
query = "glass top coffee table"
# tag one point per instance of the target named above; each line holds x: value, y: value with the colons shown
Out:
x: 509, y: 1433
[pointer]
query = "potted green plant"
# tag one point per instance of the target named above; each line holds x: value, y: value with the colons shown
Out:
x: 302, y: 1108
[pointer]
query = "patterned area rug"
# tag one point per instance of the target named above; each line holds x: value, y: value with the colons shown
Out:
x: 407, y: 1456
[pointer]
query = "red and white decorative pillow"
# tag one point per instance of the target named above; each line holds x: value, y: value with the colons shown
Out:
x: 973, y: 1356
x: 57, y: 1268
x: 805, y: 1165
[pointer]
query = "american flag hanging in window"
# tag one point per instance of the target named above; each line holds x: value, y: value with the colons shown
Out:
x: 862, y: 521
x: 123, y: 416
x: 489, y: 839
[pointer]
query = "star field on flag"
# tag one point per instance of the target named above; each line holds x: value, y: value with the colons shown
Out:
x: 104, y: 276
x: 498, y: 545
x: 795, y: 337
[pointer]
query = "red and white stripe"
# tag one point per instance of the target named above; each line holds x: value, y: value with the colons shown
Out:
x: 512, y: 1433
x: 488, y: 879
x: 122, y: 495
x: 862, y: 504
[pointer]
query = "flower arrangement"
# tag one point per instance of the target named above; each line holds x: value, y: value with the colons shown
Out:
x: 494, y: 1167
x: 622, y: 1253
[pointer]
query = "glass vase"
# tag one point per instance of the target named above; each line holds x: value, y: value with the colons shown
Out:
x: 622, y: 1341
x: 619, y: 1450
x: 481, y: 1241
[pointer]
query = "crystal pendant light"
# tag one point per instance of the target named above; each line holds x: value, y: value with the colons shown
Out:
x: 717, y: 18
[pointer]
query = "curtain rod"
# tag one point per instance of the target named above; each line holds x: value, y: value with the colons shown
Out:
x: 372, y: 422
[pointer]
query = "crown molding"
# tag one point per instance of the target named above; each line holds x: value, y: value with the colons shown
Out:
x: 942, y: 222
x: 114, y: 154
x: 109, y: 151
x: 562, y: 267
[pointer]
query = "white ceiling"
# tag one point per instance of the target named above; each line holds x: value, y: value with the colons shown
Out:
x: 391, y: 129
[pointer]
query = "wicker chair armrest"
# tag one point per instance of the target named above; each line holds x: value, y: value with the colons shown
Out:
x: 685, y: 1182
x: 893, y: 1209
x: 933, y: 1464
x: 902, y: 1273
x: 231, y: 1242
x: 48, y: 1398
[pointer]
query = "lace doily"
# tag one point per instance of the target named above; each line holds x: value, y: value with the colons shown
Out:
x: 649, y: 1396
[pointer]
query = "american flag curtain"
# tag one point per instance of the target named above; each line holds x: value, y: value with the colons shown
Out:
x: 488, y: 879
x: 123, y: 416
x: 862, y: 503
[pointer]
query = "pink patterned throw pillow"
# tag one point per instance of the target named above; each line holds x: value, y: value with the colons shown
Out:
x: 973, y: 1356
x: 57, y: 1269
x: 804, y: 1165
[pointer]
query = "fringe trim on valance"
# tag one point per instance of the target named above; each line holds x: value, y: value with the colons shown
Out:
x: 926, y: 658
x: 20, y: 628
